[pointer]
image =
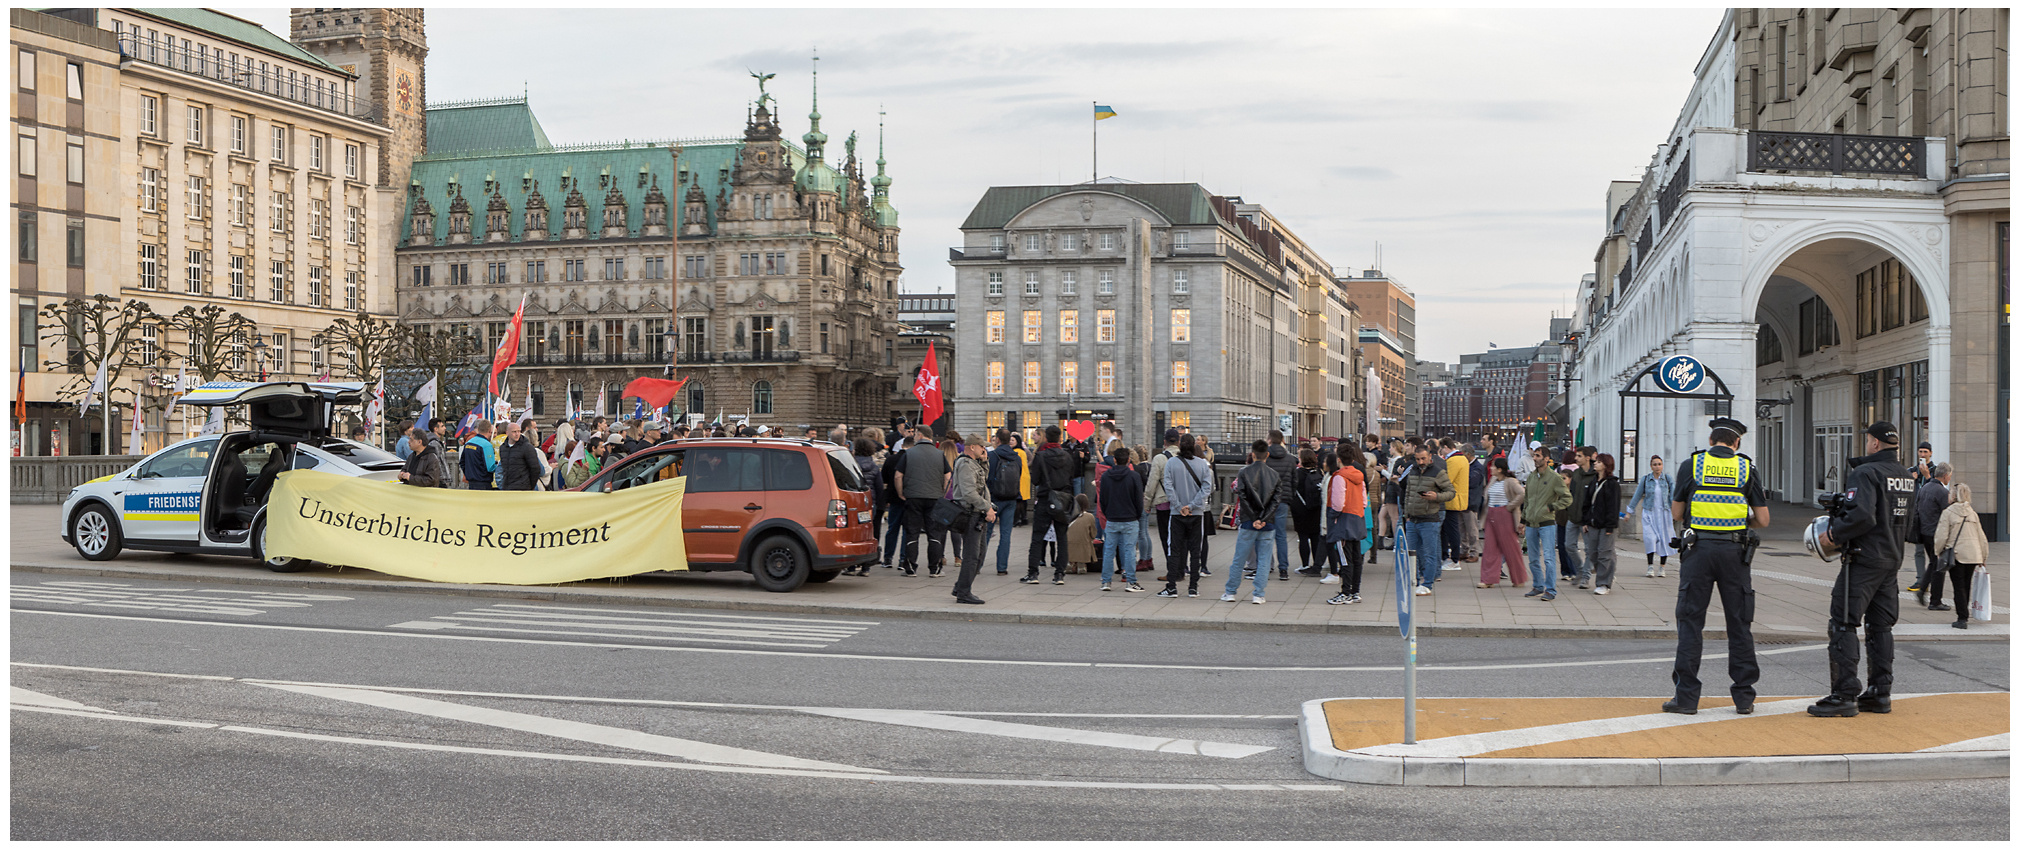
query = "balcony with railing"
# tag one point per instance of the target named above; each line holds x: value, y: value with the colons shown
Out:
x: 594, y: 358
x: 298, y: 88
x: 1836, y: 153
x: 776, y: 355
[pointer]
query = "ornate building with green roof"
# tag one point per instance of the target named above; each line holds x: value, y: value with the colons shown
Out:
x: 748, y: 265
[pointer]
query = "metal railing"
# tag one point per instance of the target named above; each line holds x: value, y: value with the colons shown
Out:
x: 594, y: 358
x: 47, y: 480
x: 773, y: 356
x: 1836, y: 153
x: 244, y: 74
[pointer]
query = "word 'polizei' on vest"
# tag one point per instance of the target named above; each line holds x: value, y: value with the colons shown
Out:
x: 1719, y: 502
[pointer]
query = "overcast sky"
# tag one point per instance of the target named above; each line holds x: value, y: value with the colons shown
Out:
x: 1475, y: 146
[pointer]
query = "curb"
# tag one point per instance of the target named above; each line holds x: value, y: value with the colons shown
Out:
x: 1324, y: 760
x: 781, y: 603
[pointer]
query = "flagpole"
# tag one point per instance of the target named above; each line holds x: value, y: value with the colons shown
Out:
x: 1096, y: 125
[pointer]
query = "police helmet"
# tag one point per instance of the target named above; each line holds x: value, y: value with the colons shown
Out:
x: 1813, y: 539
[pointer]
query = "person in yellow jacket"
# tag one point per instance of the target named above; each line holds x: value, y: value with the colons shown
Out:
x: 1023, y: 475
x: 1458, y: 520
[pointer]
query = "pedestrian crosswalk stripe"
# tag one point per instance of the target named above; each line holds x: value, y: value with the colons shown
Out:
x: 978, y: 726
x: 643, y: 625
x: 198, y: 600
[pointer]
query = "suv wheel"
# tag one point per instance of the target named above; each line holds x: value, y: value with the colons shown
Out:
x: 779, y: 564
x: 279, y: 565
x: 95, y: 534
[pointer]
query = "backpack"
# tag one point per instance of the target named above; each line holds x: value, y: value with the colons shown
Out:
x: 1006, y: 472
x: 1306, y: 489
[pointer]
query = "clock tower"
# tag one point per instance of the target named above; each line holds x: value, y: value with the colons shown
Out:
x: 388, y: 50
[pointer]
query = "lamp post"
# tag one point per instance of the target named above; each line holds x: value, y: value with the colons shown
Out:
x: 260, y: 355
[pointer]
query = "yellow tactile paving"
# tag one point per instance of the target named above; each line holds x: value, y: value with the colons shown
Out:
x: 1373, y: 722
x: 1916, y: 723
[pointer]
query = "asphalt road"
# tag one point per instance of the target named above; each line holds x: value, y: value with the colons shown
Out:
x: 181, y: 710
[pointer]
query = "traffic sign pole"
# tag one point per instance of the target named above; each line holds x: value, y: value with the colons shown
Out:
x: 1406, y: 592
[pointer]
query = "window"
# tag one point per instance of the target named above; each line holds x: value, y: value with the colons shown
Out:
x: 746, y: 264
x: 150, y: 266
x: 351, y: 156
x: 354, y: 225
x: 1817, y: 330
x: 73, y: 242
x: 1181, y: 281
x: 1181, y: 326
x: 73, y: 161
x: 196, y: 200
x: 1034, y: 324
x: 1767, y: 346
x: 25, y: 237
x: 996, y: 242
x: 425, y: 275
x: 280, y: 139
x: 315, y: 152
x: 197, y: 273
x: 1181, y: 240
x: 1069, y: 326
x: 27, y: 74
x: 573, y: 270
x: 280, y: 358
x: 318, y: 360
x: 762, y: 335
x: 1107, y: 241
x: 238, y: 277
x: 319, y: 218
x: 1181, y: 377
x: 995, y: 377
x: 995, y: 283
x: 150, y: 190
x: 494, y: 273
x: 613, y: 268
x: 316, y: 283
x: 695, y: 266
x: 536, y: 271
x: 824, y: 337
x: 1069, y: 242
x: 25, y: 154
x: 280, y: 217
x: 241, y: 204
x: 150, y: 337
x: 1034, y: 242
x: 1104, y: 326
x: 74, y: 82
x: 150, y: 109
x: 775, y: 263
x: 238, y: 134
x: 351, y: 287
x: 459, y: 274
x: 195, y: 136
x: 993, y: 326
x: 1104, y: 377
x: 1031, y: 283
x: 890, y: 353
x: 655, y: 268
x: 25, y: 330
x: 1107, y: 285
x: 1069, y: 282
x: 235, y: 352
x: 277, y: 289
x: 1031, y: 377
x: 1069, y: 377
x: 694, y: 336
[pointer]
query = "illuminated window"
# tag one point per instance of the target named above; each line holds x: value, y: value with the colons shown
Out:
x: 1069, y: 326
x: 1069, y: 377
x: 995, y: 326
x: 1034, y: 326
x: 996, y: 377
x: 1104, y: 377
x: 1180, y: 419
x: 1104, y: 326
x: 996, y: 419
x: 1181, y: 326
x: 1030, y: 377
x: 1181, y: 377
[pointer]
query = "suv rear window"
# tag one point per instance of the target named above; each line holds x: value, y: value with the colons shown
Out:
x: 787, y: 470
x: 848, y: 475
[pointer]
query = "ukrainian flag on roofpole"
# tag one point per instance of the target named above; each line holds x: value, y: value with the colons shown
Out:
x: 1100, y: 112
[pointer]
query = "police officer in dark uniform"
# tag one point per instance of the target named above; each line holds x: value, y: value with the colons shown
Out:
x: 1716, y: 491
x: 1869, y: 530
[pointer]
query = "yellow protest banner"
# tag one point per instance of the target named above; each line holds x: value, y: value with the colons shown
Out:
x: 476, y: 537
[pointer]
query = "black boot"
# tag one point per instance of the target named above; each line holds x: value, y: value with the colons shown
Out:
x: 1678, y: 706
x: 1834, y: 706
x: 1875, y: 702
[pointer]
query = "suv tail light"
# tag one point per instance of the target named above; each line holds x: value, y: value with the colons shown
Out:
x: 838, y: 513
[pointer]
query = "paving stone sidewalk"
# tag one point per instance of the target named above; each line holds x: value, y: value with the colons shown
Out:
x: 1791, y: 588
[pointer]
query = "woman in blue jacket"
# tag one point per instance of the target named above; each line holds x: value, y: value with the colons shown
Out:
x: 1651, y: 495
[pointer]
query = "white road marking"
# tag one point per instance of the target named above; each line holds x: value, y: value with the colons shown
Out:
x: 198, y: 600
x: 2001, y: 741
x: 952, y: 723
x: 23, y: 696
x: 1819, y: 582
x: 854, y: 624
x: 570, y: 729
x: 123, y: 672
x: 718, y: 627
x: 844, y: 656
x: 127, y: 718
x: 643, y: 625
x: 440, y: 624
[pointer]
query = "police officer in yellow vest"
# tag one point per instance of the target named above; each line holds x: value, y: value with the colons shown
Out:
x: 1715, y: 492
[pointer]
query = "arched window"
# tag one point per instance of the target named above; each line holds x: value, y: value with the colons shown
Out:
x: 761, y: 398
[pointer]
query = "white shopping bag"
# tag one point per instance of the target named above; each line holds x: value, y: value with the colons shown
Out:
x: 1981, y: 594
x: 1052, y: 534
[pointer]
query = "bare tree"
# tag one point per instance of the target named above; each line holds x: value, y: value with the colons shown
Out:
x: 448, y: 354
x: 214, y: 339
x: 368, y: 343
x: 96, y: 330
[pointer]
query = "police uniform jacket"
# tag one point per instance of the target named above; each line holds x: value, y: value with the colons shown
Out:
x: 1686, y: 482
x: 1881, y: 493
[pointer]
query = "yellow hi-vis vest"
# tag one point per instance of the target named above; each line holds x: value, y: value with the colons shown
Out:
x: 1719, y: 502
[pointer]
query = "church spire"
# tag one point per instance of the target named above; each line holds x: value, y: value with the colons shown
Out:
x: 882, y: 181
x: 815, y: 140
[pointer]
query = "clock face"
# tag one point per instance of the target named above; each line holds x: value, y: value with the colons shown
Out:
x: 404, y: 91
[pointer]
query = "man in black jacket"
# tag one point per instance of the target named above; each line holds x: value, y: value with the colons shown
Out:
x: 1256, y: 500
x: 1053, y: 470
x: 1870, y: 534
x: 1121, y: 495
x: 1931, y: 497
x: 518, y: 461
x: 1282, y: 462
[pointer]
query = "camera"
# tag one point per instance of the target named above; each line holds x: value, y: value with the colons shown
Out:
x: 1836, y: 503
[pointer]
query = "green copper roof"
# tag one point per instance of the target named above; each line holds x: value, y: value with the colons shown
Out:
x: 240, y: 30
x: 485, y: 125
x: 1182, y: 203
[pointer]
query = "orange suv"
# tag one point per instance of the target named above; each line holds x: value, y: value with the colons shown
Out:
x: 786, y: 511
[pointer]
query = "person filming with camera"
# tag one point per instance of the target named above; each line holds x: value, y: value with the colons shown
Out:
x: 1869, y: 525
x: 1716, y: 490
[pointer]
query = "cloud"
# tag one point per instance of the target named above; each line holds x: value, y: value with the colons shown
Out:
x: 1362, y: 172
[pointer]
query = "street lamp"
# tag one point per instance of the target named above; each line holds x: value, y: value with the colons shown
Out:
x: 260, y: 355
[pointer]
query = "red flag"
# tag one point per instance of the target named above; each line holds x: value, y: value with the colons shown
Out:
x: 508, y: 349
x: 927, y: 388
x: 658, y: 392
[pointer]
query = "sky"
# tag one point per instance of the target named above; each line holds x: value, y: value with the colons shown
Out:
x: 1474, y: 146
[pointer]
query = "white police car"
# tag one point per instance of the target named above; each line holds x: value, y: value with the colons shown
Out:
x: 208, y: 494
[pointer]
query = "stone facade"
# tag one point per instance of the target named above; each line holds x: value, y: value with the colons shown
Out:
x: 1830, y: 280
x: 1391, y: 309
x: 388, y: 50
x: 758, y: 272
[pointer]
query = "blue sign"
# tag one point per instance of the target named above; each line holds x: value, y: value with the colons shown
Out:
x: 1406, y: 587
x: 1680, y: 374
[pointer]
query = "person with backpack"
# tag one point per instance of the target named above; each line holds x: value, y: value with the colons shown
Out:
x: 1053, y: 471
x: 1155, y: 497
x: 1427, y: 488
x: 1308, y: 513
x: 1006, y: 477
x: 1188, y: 483
x: 1347, y: 523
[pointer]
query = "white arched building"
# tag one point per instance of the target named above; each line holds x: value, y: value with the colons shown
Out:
x: 1812, y: 272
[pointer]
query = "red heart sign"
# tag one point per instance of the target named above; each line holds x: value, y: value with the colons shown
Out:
x: 1080, y: 429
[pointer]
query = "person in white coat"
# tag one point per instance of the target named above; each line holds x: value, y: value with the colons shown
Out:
x: 1651, y: 496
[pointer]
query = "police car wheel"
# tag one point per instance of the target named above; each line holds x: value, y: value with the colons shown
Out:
x: 95, y: 534
x: 279, y: 565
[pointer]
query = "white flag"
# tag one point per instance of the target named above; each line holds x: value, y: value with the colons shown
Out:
x: 215, y: 425
x: 181, y: 373
x: 426, y: 394
x: 139, y: 432
x: 97, y: 388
